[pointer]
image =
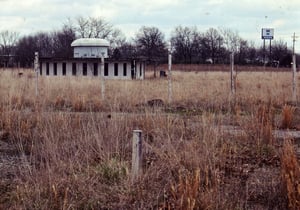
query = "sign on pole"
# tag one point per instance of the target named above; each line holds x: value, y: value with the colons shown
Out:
x: 267, y: 33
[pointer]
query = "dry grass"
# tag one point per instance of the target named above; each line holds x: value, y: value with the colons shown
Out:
x: 290, y: 173
x: 287, y: 116
x: 75, y: 149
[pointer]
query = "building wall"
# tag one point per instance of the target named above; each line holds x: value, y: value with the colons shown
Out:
x: 111, y: 70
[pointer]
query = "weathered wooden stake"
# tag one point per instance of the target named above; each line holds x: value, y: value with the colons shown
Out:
x: 36, y: 69
x: 137, y: 155
x: 102, y: 78
x: 170, y: 73
x: 232, y: 74
x: 294, y: 79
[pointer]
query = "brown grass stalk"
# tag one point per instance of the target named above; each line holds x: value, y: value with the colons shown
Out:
x: 290, y: 174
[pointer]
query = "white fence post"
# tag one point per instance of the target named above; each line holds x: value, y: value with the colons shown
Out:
x: 102, y: 67
x: 232, y: 73
x: 294, y: 79
x: 36, y: 69
x: 170, y: 73
x: 137, y: 155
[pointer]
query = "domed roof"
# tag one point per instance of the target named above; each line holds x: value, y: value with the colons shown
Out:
x: 90, y: 42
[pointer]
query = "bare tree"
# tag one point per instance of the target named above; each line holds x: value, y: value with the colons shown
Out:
x: 42, y: 42
x: 183, y: 41
x: 281, y: 53
x: 93, y: 27
x: 231, y: 39
x: 8, y: 40
x: 25, y: 49
x: 116, y: 38
x: 215, y: 40
x: 62, y: 40
x: 125, y: 51
x: 150, y: 43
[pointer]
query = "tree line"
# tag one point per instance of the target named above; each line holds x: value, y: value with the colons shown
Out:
x: 189, y: 45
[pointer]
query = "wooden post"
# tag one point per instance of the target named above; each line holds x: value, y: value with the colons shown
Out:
x: 170, y: 73
x: 294, y: 79
x: 137, y: 155
x: 294, y: 99
x: 36, y: 69
x: 102, y: 78
x: 232, y: 73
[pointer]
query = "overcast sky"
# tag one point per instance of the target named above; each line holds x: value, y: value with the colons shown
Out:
x: 245, y: 16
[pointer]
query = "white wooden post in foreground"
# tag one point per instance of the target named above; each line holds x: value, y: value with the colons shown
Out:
x: 137, y: 155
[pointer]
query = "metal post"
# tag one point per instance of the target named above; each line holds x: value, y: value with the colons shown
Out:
x: 294, y: 70
x: 232, y: 73
x: 264, y: 55
x: 170, y: 73
x: 36, y: 69
x: 270, y: 56
x: 102, y: 78
x: 294, y: 79
x: 137, y: 155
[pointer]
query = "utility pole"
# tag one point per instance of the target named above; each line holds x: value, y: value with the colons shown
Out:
x: 294, y: 71
x: 294, y: 40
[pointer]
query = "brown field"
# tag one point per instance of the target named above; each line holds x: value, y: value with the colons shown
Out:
x: 65, y: 148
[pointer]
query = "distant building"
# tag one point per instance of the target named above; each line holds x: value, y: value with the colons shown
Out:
x: 86, y: 61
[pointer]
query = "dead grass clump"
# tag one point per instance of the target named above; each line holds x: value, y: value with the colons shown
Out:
x: 20, y: 126
x: 265, y: 123
x: 287, y: 117
x: 112, y: 171
x: 78, y: 104
x: 290, y: 174
x: 60, y: 102
x: 191, y: 191
x: 259, y: 127
x: 18, y: 102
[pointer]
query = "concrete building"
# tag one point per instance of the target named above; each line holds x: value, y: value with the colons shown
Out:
x: 87, y: 61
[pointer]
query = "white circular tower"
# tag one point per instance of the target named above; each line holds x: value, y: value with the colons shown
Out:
x: 90, y: 48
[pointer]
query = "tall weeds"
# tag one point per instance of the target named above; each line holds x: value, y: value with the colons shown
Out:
x: 290, y: 175
x: 287, y: 116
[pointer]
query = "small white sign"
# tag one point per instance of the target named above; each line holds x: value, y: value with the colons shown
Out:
x: 267, y: 33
